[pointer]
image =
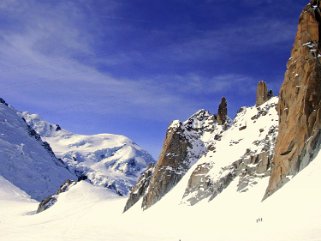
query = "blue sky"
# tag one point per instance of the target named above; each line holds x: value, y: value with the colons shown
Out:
x: 130, y: 67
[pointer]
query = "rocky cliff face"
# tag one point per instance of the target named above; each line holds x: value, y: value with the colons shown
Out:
x: 171, y: 165
x: 299, y: 103
x: 184, y: 144
x: 182, y: 147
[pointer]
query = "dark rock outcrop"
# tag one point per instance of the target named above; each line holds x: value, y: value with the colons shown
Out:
x: 58, y: 128
x: 299, y: 102
x: 261, y: 93
x: 222, y: 112
x: 2, y: 101
x: 270, y: 94
x: 51, y: 200
x: 170, y: 168
x: 182, y: 147
x: 140, y: 189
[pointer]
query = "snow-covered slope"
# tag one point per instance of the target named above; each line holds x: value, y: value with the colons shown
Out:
x: 25, y: 160
x: 243, y: 152
x: 112, y: 161
x: 87, y: 213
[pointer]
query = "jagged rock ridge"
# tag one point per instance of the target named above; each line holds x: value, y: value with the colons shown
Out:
x: 243, y: 155
x: 299, y: 103
x: 182, y: 147
x: 184, y: 144
x: 212, y: 155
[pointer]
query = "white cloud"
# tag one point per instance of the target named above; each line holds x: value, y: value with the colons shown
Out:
x: 251, y: 35
x: 40, y: 65
x: 6, y: 4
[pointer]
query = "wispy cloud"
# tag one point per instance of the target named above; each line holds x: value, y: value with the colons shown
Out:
x: 195, y: 84
x: 39, y: 67
x: 42, y: 64
x: 49, y: 58
x: 89, y: 63
x: 256, y: 33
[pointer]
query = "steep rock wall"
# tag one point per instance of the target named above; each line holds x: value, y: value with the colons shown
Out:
x: 299, y: 102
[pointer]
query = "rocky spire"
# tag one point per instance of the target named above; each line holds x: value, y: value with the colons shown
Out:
x: 170, y: 167
x: 270, y: 94
x: 261, y: 93
x: 222, y: 112
x: 299, y: 102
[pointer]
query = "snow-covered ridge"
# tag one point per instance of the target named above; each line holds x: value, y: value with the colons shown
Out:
x: 112, y: 161
x: 242, y: 151
x: 25, y: 160
x: 206, y: 156
x: 185, y: 143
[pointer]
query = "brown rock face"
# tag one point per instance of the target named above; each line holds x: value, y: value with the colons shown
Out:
x: 171, y: 166
x: 261, y: 93
x: 299, y: 102
x: 222, y: 112
x: 182, y: 147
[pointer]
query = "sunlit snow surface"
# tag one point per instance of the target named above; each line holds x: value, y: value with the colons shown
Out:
x: 93, y: 213
x: 87, y: 212
x: 112, y: 161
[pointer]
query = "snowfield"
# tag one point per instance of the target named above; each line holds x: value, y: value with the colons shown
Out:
x: 87, y: 213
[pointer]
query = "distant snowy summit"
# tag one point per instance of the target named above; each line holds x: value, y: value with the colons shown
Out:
x: 111, y: 161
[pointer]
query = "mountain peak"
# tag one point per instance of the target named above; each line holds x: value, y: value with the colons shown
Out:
x: 299, y: 105
x: 111, y: 161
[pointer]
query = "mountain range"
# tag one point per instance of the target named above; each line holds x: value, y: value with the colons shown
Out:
x: 253, y: 177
